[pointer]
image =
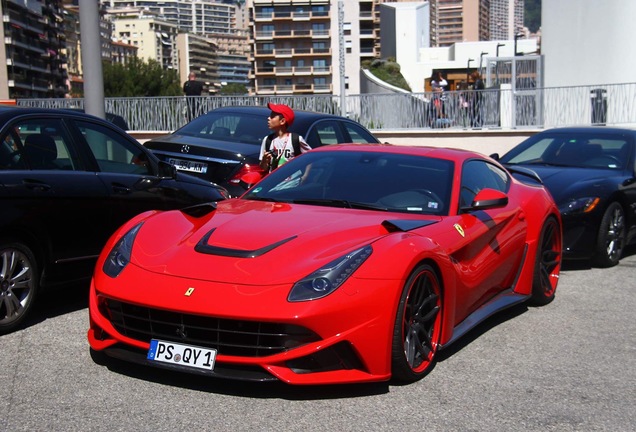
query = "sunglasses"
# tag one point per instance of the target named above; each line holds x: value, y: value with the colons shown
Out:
x: 275, y: 114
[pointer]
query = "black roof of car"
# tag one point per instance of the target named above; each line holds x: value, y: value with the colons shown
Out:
x: 302, y: 119
x: 9, y: 111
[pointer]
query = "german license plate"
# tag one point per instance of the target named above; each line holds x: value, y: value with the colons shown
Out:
x: 181, y: 355
x: 184, y: 165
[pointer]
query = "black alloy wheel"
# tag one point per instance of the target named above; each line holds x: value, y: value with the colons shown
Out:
x: 418, y: 323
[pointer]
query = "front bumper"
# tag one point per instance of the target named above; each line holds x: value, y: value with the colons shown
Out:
x: 352, y: 327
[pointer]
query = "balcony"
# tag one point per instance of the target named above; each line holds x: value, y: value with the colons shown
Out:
x: 289, y: 52
x: 290, y: 16
x: 293, y: 71
x: 294, y: 89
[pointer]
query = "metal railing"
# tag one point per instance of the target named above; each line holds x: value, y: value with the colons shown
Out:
x: 492, y: 108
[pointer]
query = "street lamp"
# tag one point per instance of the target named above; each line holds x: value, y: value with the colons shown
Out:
x: 518, y: 36
x: 481, y: 58
x: 468, y: 70
x: 499, y: 45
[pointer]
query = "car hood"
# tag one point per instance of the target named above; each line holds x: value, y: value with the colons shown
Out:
x: 205, y: 146
x: 257, y: 243
x: 565, y: 183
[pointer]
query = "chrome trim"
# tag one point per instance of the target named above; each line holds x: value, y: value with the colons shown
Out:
x: 195, y: 157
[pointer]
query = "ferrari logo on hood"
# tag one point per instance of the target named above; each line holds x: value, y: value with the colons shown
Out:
x: 189, y: 292
x: 460, y: 230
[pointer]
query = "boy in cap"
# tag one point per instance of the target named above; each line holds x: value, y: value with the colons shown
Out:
x: 281, y: 145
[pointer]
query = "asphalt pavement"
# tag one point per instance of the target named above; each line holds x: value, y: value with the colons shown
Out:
x: 567, y: 366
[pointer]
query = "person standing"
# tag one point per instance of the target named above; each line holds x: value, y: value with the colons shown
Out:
x: 281, y: 145
x: 477, y: 102
x: 192, y: 89
x: 438, y: 84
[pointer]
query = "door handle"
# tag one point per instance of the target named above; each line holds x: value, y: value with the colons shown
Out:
x: 120, y: 189
x: 36, y: 185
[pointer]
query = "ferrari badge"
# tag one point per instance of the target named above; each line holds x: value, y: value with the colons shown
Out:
x: 460, y: 230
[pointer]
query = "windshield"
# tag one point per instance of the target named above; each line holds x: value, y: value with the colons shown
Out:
x: 584, y: 150
x: 364, y: 180
x: 232, y: 127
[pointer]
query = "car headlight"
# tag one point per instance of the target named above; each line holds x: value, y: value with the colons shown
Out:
x: 579, y: 205
x: 119, y: 256
x: 327, y: 279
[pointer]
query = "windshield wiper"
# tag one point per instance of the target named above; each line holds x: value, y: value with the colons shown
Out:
x: 340, y: 203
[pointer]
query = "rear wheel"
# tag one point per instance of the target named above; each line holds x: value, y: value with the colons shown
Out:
x: 611, y: 237
x: 418, y: 322
x: 547, y: 264
x: 18, y: 284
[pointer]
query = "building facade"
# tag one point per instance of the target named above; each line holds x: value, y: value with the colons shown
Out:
x: 154, y: 38
x: 195, y: 16
x: 198, y: 54
x: 506, y: 18
x: 33, y: 49
x: 453, y: 21
x: 312, y: 46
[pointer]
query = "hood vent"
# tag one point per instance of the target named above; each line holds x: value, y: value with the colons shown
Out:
x: 405, y: 225
x: 204, y: 247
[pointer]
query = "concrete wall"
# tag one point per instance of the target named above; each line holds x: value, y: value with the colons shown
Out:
x: 587, y: 42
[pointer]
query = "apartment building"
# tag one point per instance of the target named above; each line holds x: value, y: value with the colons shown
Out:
x: 33, y: 51
x: 198, y: 54
x: 506, y: 18
x: 195, y: 16
x: 453, y: 21
x: 154, y: 38
x: 298, y: 46
x: 233, y: 53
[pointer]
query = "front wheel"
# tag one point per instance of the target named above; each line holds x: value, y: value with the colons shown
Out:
x: 547, y: 265
x: 418, y: 323
x: 18, y: 284
x: 611, y: 237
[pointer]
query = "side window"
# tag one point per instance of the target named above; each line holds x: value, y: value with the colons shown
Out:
x: 37, y: 144
x: 323, y: 133
x: 478, y: 175
x: 113, y: 152
x: 358, y: 134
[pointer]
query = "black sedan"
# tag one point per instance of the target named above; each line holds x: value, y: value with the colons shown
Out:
x: 590, y: 172
x: 224, y: 144
x: 67, y: 181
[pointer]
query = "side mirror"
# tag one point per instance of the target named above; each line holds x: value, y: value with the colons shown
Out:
x: 487, y: 199
x: 495, y: 156
x: 167, y: 170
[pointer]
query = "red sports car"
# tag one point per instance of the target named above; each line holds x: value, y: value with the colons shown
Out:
x: 350, y: 263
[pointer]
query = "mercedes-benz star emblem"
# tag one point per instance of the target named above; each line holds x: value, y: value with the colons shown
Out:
x: 185, y: 148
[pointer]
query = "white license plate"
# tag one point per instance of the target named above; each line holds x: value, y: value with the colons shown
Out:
x: 183, y: 165
x: 181, y: 355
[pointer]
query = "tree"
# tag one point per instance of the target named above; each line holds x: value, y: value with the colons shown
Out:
x: 532, y: 15
x: 233, y: 89
x: 140, y: 78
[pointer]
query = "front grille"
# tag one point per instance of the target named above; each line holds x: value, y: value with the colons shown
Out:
x: 227, y: 336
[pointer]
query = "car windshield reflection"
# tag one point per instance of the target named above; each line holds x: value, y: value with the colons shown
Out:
x: 361, y: 180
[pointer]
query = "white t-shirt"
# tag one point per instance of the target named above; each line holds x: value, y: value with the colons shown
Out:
x: 283, y: 148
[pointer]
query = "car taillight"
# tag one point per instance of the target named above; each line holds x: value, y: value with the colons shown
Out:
x: 247, y: 169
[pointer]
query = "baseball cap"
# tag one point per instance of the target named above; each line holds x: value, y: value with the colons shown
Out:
x: 284, y: 110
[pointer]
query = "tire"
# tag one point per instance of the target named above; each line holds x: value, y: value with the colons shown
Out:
x: 547, y: 265
x: 610, y: 241
x: 418, y: 324
x: 18, y: 284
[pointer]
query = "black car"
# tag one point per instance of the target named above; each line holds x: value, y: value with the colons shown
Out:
x: 591, y: 174
x: 67, y: 181
x: 224, y: 144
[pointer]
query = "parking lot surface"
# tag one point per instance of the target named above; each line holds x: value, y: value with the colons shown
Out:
x: 567, y: 366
